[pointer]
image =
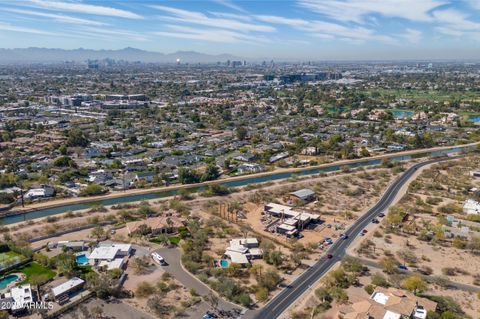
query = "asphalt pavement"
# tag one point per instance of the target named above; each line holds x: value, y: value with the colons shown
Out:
x: 292, y: 292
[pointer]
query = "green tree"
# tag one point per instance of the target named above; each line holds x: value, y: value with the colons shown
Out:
x: 66, y: 264
x: 241, y: 132
x: 77, y: 138
x: 93, y: 190
x: 211, y: 173
x: 415, y: 284
x: 187, y: 176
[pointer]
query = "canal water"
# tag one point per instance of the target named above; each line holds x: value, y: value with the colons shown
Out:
x: 236, y: 183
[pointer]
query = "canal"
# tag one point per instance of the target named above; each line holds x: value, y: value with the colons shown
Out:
x: 235, y: 183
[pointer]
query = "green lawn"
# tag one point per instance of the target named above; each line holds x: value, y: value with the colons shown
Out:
x: 33, y: 269
x: 174, y: 240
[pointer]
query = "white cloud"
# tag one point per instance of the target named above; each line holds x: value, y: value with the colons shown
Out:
x: 85, y: 8
x: 448, y: 31
x: 230, y: 4
x: 13, y: 28
x: 455, y: 20
x: 474, y: 4
x: 413, y: 36
x: 57, y: 17
x: 357, y: 10
x: 242, y: 17
x: 211, y: 35
x: 281, y: 20
x: 193, y: 17
x: 328, y: 30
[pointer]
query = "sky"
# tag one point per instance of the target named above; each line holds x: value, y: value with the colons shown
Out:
x: 288, y: 29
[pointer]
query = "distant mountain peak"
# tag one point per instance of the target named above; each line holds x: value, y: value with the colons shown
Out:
x: 54, y: 55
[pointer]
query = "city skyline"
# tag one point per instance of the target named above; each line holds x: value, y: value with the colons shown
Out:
x: 284, y: 30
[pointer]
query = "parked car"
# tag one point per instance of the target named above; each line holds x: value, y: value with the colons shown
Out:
x: 159, y: 259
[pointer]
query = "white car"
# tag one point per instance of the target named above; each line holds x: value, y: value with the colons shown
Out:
x: 158, y: 259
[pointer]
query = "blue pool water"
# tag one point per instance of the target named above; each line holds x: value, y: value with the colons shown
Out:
x: 224, y: 263
x: 474, y: 118
x: 81, y: 259
x: 5, y: 281
x: 402, y: 114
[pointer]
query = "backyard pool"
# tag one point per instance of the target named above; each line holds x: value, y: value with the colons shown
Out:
x: 224, y: 263
x: 7, y: 280
x: 82, y: 259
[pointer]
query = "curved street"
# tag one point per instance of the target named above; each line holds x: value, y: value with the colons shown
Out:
x: 292, y: 292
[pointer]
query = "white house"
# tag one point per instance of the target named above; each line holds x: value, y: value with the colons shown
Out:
x: 63, y: 291
x: 471, y: 207
x: 110, y: 255
x: 292, y: 220
x: 43, y: 192
x: 22, y: 296
x: 241, y: 250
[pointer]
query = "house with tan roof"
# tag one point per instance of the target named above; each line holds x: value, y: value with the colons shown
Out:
x: 389, y: 303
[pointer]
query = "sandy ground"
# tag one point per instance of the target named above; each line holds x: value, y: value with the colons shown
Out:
x: 309, y: 299
x: 42, y: 226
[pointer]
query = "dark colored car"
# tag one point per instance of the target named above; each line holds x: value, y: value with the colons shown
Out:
x: 329, y: 256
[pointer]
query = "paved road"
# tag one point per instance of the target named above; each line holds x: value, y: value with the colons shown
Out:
x: 291, y: 293
x: 173, y: 257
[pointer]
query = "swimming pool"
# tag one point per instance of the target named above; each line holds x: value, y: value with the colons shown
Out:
x: 7, y: 280
x: 82, y: 259
x: 224, y: 263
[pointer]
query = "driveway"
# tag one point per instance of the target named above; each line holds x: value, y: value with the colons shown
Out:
x: 173, y: 257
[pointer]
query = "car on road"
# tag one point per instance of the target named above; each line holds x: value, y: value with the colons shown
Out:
x: 158, y: 259
x: 343, y: 235
x: 329, y: 256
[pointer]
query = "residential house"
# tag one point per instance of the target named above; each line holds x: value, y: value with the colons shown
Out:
x: 242, y: 250
x: 44, y: 191
x: 304, y: 194
x: 247, y: 168
x: 388, y: 303
x: 110, y: 255
x: 245, y: 157
x: 278, y: 157
x: 17, y: 300
x: 63, y: 292
x: 291, y: 220
x: 146, y: 177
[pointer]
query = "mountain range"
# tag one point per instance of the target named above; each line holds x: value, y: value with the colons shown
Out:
x: 44, y: 55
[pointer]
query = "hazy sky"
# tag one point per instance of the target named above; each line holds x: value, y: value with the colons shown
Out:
x: 293, y: 29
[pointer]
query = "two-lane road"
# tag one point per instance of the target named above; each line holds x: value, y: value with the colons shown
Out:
x: 290, y: 294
